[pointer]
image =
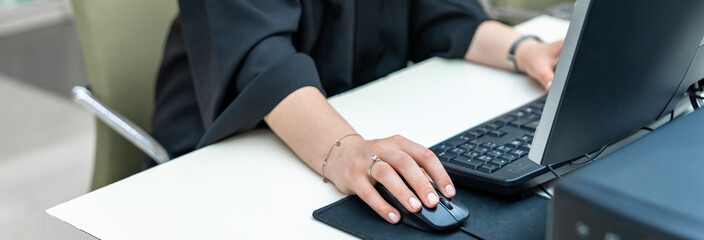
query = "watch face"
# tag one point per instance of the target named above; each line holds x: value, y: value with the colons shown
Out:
x: 512, y: 62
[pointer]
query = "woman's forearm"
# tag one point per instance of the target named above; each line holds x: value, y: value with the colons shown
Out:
x: 308, y: 124
x: 491, y: 44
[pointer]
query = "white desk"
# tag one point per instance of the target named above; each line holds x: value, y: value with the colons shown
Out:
x: 246, y: 185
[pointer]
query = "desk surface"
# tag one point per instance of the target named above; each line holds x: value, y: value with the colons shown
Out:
x: 253, y: 186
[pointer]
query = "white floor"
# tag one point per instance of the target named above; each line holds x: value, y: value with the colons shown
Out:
x: 46, y: 149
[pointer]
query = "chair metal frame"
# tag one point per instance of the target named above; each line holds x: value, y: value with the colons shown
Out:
x: 128, y: 129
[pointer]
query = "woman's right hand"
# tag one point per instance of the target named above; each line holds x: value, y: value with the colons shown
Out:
x: 348, y: 165
x: 308, y: 124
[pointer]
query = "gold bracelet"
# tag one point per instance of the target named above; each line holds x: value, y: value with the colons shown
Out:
x: 337, y: 144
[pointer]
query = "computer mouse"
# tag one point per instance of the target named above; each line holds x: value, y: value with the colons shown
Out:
x: 448, y: 214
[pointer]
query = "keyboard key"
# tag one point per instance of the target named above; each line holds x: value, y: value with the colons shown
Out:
x: 504, y: 148
x: 440, y: 149
x: 456, y: 141
x: 493, y: 126
x: 485, y: 158
x: 526, y: 147
x: 450, y: 153
x: 509, y: 157
x: 483, y: 130
x: 531, y: 126
x: 444, y: 147
x: 489, y: 167
x: 496, y: 133
x: 514, y: 144
x: 481, y: 150
x: 466, y: 147
x: 519, y: 115
x: 530, y: 110
x: 446, y: 156
x: 473, y: 134
x: 505, y: 120
x: 524, y: 121
x: 459, y: 160
x: 437, y: 150
x: 472, y: 155
x: 526, y: 138
x: 501, y: 162
x: 457, y: 151
x: 539, y: 105
x: 476, y: 142
x: 490, y: 145
x: 495, y: 153
x: 519, y: 153
x: 466, y: 162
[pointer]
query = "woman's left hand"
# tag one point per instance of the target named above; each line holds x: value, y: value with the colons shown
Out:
x: 538, y: 60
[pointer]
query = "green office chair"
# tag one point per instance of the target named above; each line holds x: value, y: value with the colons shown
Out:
x: 122, y: 42
x: 517, y: 11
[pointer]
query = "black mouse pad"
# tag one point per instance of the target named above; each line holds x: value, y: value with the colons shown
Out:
x: 491, y: 217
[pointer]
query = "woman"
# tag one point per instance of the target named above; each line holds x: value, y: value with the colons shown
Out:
x: 234, y: 65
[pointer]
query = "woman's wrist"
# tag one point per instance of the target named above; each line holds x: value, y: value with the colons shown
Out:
x: 524, y: 53
x: 341, y: 164
x: 337, y: 144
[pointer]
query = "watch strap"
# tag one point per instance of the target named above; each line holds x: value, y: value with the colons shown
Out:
x: 512, y: 52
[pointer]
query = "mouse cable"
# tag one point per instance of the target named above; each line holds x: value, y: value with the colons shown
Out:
x: 470, y: 233
x: 545, y: 191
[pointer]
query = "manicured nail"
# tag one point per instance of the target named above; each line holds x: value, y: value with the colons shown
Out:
x: 414, y: 202
x: 393, y: 217
x: 450, y: 190
x: 432, y: 198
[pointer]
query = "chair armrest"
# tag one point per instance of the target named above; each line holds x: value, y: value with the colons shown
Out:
x: 121, y: 125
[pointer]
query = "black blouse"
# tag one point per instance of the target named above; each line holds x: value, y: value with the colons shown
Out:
x: 228, y: 63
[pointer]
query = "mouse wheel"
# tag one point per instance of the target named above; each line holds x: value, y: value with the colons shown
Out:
x: 447, y: 203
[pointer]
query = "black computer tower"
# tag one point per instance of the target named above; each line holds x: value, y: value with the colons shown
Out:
x: 652, y: 188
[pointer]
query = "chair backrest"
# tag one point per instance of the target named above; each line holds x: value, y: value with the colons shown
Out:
x: 122, y: 42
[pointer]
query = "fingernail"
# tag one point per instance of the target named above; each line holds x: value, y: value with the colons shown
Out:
x: 432, y: 198
x: 450, y: 190
x: 548, y: 85
x: 393, y: 217
x: 414, y: 202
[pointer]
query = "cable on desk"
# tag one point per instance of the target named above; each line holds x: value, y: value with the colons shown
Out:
x: 591, y: 158
x: 553, y: 171
x: 695, y: 96
x: 647, y: 129
x: 545, y: 191
x: 470, y: 233
x: 601, y: 150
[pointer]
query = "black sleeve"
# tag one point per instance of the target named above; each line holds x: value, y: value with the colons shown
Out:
x: 443, y: 28
x: 243, y: 60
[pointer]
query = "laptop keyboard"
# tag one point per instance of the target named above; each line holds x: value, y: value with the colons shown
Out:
x: 494, y: 145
